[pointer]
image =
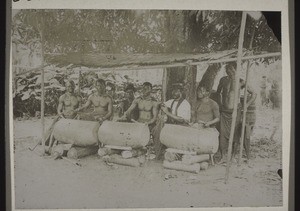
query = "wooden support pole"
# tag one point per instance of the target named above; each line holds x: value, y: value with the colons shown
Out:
x: 236, y: 93
x: 244, y: 117
x: 164, y: 85
x: 245, y: 104
x: 43, y: 91
x: 79, y: 79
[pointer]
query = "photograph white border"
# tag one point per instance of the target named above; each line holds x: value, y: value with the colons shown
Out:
x: 234, y: 5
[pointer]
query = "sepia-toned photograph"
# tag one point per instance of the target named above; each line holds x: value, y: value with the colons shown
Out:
x: 117, y: 108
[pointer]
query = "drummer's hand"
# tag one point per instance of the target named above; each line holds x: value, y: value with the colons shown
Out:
x: 191, y: 124
x: 186, y: 122
x: 207, y: 124
x: 121, y: 119
x: 100, y: 120
x: 61, y: 115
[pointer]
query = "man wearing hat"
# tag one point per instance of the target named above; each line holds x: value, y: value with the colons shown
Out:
x: 177, y: 109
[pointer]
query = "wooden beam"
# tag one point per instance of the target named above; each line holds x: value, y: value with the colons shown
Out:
x: 30, y: 69
x: 43, y: 92
x: 181, y: 64
x: 244, y: 117
x: 245, y: 103
x: 164, y: 85
x: 236, y: 93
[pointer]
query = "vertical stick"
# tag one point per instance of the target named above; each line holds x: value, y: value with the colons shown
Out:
x: 244, y: 116
x: 79, y: 78
x: 164, y: 85
x: 43, y: 91
x: 236, y: 93
x: 245, y: 103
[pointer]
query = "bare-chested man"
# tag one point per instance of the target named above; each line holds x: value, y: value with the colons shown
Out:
x: 147, y: 107
x: 67, y: 105
x: 207, y: 112
x: 226, y: 90
x: 68, y: 102
x: 102, y: 103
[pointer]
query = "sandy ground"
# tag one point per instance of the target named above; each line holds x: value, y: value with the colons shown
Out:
x: 41, y: 182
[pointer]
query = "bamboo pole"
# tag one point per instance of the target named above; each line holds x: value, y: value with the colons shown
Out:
x: 236, y: 93
x: 244, y: 117
x: 245, y: 104
x: 43, y: 90
x: 164, y: 85
x: 79, y: 79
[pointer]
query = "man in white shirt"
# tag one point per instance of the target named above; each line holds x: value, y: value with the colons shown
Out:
x: 177, y: 109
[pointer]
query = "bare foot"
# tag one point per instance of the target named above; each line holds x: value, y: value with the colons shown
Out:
x: 222, y: 161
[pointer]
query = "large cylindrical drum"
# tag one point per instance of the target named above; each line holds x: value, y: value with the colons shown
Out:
x: 134, y: 135
x: 202, y: 141
x: 78, y: 132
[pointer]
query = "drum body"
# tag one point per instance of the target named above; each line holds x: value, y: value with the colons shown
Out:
x: 202, y: 141
x: 134, y: 135
x: 78, y: 132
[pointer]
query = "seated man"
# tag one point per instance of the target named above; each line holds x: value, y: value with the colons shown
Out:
x: 177, y: 109
x: 68, y: 102
x: 67, y: 105
x: 207, y: 110
x: 102, y: 103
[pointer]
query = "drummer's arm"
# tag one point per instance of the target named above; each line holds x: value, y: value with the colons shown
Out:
x: 155, y: 113
x: 109, y: 109
x: 86, y: 105
x: 216, y: 114
x: 129, y: 110
x: 60, y: 105
x: 169, y: 114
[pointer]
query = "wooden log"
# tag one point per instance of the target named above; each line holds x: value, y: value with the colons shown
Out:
x: 80, y: 152
x: 203, y: 141
x: 61, y: 149
x: 212, y: 159
x: 190, y: 159
x: 107, y: 151
x: 171, y: 156
x: 132, y: 153
x: 203, y: 165
x: 118, y: 147
x: 179, y: 166
x: 77, y: 132
x: 117, y: 159
x: 134, y: 135
x: 179, y: 151
x: 142, y: 159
